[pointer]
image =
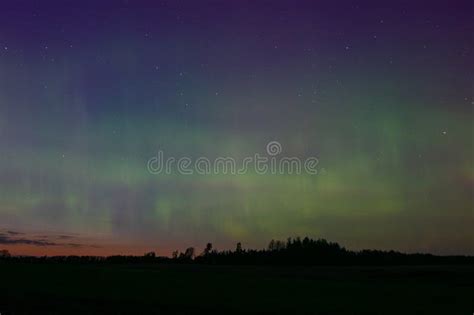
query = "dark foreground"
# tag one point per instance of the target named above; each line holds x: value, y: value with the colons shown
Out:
x: 27, y: 288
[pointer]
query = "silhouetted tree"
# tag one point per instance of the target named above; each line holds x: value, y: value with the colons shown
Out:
x: 280, y: 245
x: 189, y: 253
x: 208, y: 249
x: 238, y: 248
x: 276, y: 245
x: 271, y: 245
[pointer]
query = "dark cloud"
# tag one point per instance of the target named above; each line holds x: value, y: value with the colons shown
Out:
x: 11, y: 240
x: 14, y: 233
x: 14, y: 237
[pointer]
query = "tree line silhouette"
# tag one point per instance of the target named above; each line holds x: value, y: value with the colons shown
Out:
x: 293, y: 251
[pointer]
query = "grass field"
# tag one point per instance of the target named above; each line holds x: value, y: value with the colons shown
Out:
x: 188, y: 289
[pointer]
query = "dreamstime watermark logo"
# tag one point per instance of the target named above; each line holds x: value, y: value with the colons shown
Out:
x: 270, y: 163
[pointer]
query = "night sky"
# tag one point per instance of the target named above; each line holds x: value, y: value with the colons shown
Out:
x: 380, y: 92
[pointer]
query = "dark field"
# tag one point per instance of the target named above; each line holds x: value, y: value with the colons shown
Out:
x: 182, y: 289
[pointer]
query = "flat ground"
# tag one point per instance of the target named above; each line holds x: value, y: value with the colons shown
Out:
x: 188, y: 289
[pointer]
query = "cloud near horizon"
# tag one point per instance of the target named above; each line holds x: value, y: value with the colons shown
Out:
x: 14, y: 238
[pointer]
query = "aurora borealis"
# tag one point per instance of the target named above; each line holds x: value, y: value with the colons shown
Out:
x: 380, y: 93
